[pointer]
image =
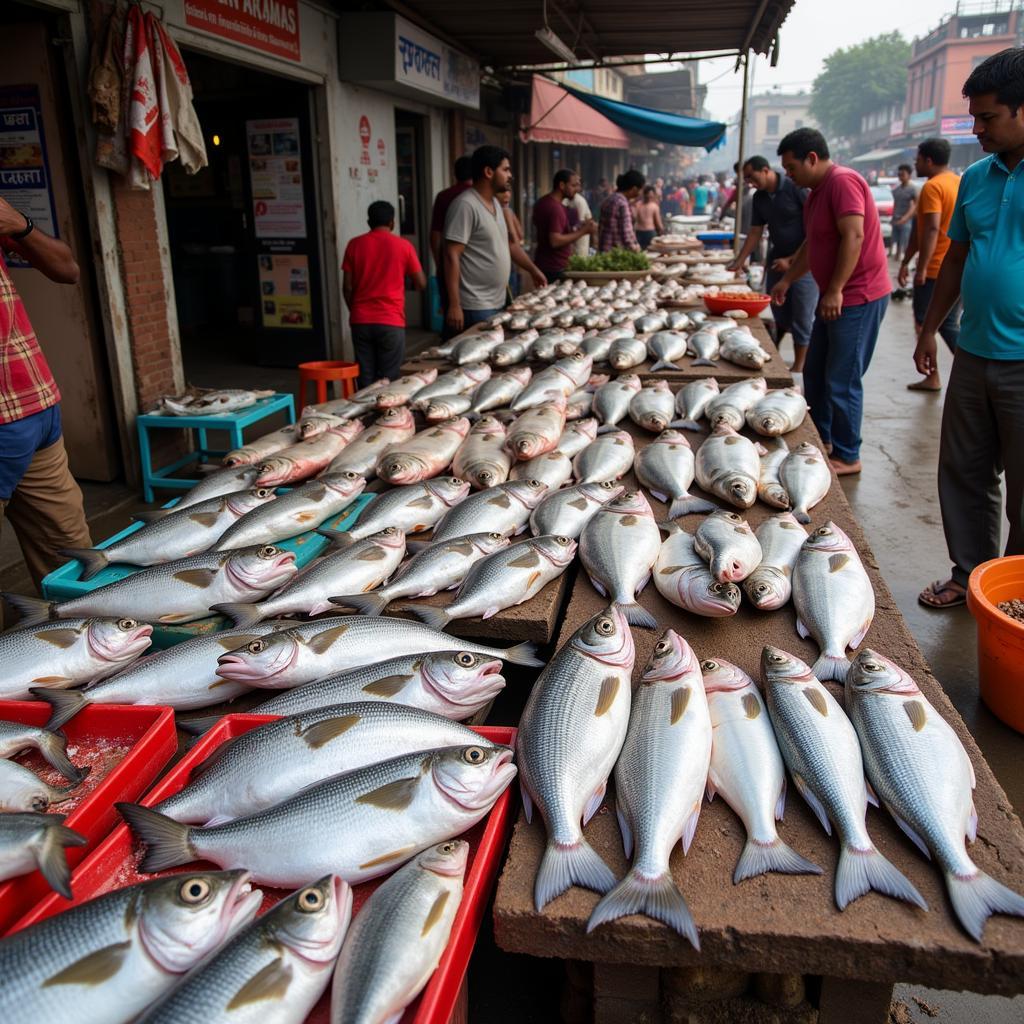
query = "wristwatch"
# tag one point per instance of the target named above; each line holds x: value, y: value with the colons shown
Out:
x: 25, y: 231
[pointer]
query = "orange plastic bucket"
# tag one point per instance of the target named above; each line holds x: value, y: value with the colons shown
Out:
x: 1000, y: 637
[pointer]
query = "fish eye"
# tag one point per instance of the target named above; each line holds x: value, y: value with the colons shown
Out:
x: 715, y: 588
x: 256, y: 646
x: 389, y: 531
x: 446, y: 848
x: 536, y: 483
x: 496, y: 536
x: 194, y: 891
x: 605, y: 627
x: 608, y: 484
x: 822, y: 531
x: 563, y: 540
x: 40, y: 803
x: 267, y: 551
x: 465, y: 659
x: 126, y: 624
x: 709, y: 666
x: 761, y: 588
x: 310, y: 900
x: 662, y: 647
x: 778, y: 659
x: 733, y: 516
x: 264, y: 492
x: 473, y: 755
x: 349, y: 475
x: 872, y: 666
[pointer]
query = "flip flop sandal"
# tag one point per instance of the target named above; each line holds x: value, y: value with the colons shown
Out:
x: 937, y: 587
x: 920, y: 385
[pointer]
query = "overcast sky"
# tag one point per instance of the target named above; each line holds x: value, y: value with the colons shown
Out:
x: 813, y: 30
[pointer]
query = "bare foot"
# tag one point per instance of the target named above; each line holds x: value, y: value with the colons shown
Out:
x: 930, y: 383
x: 943, y: 594
x: 845, y: 468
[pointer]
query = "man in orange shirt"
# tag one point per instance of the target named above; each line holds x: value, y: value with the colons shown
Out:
x: 930, y: 242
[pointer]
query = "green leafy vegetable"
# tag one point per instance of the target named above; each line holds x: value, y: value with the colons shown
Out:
x: 615, y: 260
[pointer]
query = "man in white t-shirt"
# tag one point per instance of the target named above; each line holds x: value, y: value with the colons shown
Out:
x: 579, y: 213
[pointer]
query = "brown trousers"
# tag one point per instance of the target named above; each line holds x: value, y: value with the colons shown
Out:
x: 46, y: 512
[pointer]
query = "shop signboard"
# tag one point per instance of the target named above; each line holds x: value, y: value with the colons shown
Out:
x: 425, y: 63
x: 957, y: 129
x: 275, y: 170
x: 921, y: 117
x: 271, y: 26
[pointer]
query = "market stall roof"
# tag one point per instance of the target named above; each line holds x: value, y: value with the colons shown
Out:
x: 875, y: 154
x: 555, y: 116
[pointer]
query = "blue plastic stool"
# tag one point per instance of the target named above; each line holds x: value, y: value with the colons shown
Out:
x: 234, y: 423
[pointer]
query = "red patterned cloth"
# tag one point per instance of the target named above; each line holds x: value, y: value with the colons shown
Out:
x: 616, y: 224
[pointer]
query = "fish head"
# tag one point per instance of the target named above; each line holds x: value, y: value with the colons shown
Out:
x: 118, y: 639
x: 390, y: 537
x: 526, y: 492
x: 632, y: 503
x: 262, y: 568
x: 463, y: 678
x: 558, y: 550
x: 275, y: 471
x: 828, y: 537
x: 604, y: 492
x: 586, y: 428
x: 671, y: 659
x: 396, y: 418
x: 505, y: 355
x: 807, y: 450
x: 489, y: 425
x: 520, y: 374
x: 606, y: 637
x: 245, y: 501
x: 260, y: 659
x: 777, y: 495
x: 725, y: 416
x: 778, y: 667
x: 567, y: 347
x: 319, y: 423
x: 345, y: 483
x: 718, y: 599
x: 742, y: 489
x: 771, y: 423
x: 448, y: 489
x: 402, y: 468
x: 447, y: 859
x: 438, y: 411
x: 767, y: 588
x: 723, y: 677
x: 654, y: 421
x: 673, y: 437
x: 473, y: 777
x: 313, y: 921
x: 488, y: 543
x: 348, y: 430
x: 873, y: 673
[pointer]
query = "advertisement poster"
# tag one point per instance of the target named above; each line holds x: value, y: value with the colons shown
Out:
x: 24, y: 171
x: 275, y: 169
x: 268, y: 25
x: 284, y: 291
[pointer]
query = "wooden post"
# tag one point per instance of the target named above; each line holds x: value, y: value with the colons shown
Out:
x: 736, y: 244
x: 853, y: 1002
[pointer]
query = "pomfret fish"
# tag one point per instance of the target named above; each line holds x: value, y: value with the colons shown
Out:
x: 426, y: 454
x: 446, y: 407
x: 691, y: 401
x: 538, y: 429
x: 728, y: 466
x: 570, y: 735
x: 834, y: 599
x: 739, y: 346
x: 509, y: 353
x: 577, y: 435
x: 732, y: 403
x: 924, y: 778
x: 315, y: 423
x: 566, y: 512
x: 704, y: 346
x: 683, y: 577
x: 29, y: 841
x: 257, y: 450
x: 52, y: 746
x: 563, y: 377
x: 554, y: 468
x: 653, y: 406
x: 665, y: 347
x: 659, y: 786
x: 215, y: 403
x: 778, y: 412
x: 22, y: 790
x: 363, y: 823
x: 106, y: 960
x: 228, y: 480
x: 500, y: 390
x: 728, y: 544
x: 609, y: 457
x: 405, y: 389
x: 477, y: 347
x: 625, y: 353
x: 747, y: 770
x: 360, y: 456
x: 307, y: 458
x: 806, y: 478
x: 652, y: 322
x: 412, y: 508
x: 665, y: 467
x: 482, y: 458
x: 597, y: 346
x: 821, y: 750
x: 504, y: 508
x: 770, y: 585
x: 455, y: 382
x: 611, y: 400
x: 618, y: 548
x: 769, y: 486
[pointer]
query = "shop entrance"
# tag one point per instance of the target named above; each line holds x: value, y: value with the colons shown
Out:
x: 243, y: 232
x: 410, y: 162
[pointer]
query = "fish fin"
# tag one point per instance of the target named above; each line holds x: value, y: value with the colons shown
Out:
x: 817, y: 700
x: 320, y: 734
x: 168, y: 841
x: 436, y: 618
x: 860, y: 871
x: 65, y: 703
x: 527, y: 802
x: 859, y: 638
x: 53, y: 861
x: 802, y: 631
x: 387, y: 686
x: 909, y: 832
x: 872, y: 795
x: 93, y: 969
x: 703, y: 362
x: 688, y: 505
x: 637, y: 616
x: 527, y: 561
x: 607, y: 428
x: 975, y: 898
x: 599, y: 587
x: 197, y: 726
x: 61, y: 638
x: 659, y: 898
x: 151, y: 515
x: 392, y: 796
x: 206, y: 519
x: 663, y: 364
x: 814, y: 803
x: 54, y: 747
x: 200, y: 578
x: 625, y: 829
x: 244, y: 615
x: 837, y: 561
x: 523, y: 654
x: 365, y: 604
x: 760, y: 858
x: 972, y: 824
x: 413, y: 547
x: 435, y: 912
x: 690, y: 827
x: 710, y: 788
x: 270, y: 982
x: 340, y: 538
x: 594, y: 802
x: 831, y: 666
x: 323, y: 641
x: 33, y: 610
x: 660, y: 495
x: 780, y: 804
x: 684, y: 425
x: 93, y: 560
x: 565, y: 866
x: 680, y: 701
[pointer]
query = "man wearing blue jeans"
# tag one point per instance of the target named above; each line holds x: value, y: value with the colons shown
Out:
x: 844, y: 252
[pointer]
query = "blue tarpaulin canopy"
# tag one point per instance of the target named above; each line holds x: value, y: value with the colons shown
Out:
x: 655, y: 124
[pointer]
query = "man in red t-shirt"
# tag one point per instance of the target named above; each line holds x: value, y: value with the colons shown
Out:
x: 555, y: 235
x: 375, y: 268
x: 844, y: 251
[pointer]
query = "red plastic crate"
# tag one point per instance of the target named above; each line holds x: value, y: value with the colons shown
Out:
x: 113, y: 865
x: 126, y: 747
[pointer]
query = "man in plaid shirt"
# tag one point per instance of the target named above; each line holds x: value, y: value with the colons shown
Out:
x: 616, y: 215
x: 37, y: 492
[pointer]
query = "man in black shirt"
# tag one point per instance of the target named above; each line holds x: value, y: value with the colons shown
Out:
x: 779, y: 205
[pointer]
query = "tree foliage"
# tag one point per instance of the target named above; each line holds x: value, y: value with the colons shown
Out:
x: 859, y: 79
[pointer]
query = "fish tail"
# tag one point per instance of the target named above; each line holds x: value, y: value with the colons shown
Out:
x: 197, y: 726
x: 759, y: 858
x: 975, y: 898
x: 53, y: 746
x: 65, y: 793
x: 51, y: 858
x: 832, y: 666
x: 365, y: 604
x: 565, y: 866
x: 436, y: 618
x: 658, y: 897
x: 637, y: 616
x: 168, y: 841
x: 703, y: 362
x: 684, y: 425
x: 663, y: 364
x: 523, y: 654
x: 33, y: 610
x: 860, y: 871
x: 341, y: 538
x: 688, y: 504
x: 65, y: 704
x: 801, y: 516
x: 607, y: 428
x: 243, y: 615
x: 92, y: 559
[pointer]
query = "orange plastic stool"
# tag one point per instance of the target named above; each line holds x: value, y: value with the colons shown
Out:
x: 322, y: 372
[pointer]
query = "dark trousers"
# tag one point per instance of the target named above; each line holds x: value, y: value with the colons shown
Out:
x: 796, y: 314
x: 982, y: 435
x: 950, y: 328
x: 838, y: 358
x: 380, y: 351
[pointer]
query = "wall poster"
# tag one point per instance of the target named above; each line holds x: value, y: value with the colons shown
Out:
x: 284, y: 291
x: 275, y: 170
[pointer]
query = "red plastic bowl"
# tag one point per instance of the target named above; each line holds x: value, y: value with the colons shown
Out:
x: 127, y: 746
x: 750, y: 302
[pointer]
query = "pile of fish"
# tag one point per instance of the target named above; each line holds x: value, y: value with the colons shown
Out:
x: 208, y: 401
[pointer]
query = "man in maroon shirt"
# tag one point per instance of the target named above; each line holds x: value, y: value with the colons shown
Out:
x: 555, y: 235
x: 463, y: 175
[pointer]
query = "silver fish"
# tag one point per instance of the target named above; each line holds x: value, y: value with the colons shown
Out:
x: 564, y: 377
x: 566, y: 512
x: 360, y: 456
x: 315, y: 423
x: 257, y: 450
x: 22, y: 790
x: 704, y: 346
x: 52, y: 746
x: 778, y: 412
x: 733, y: 402
x: 426, y: 454
x: 691, y: 401
x: 625, y: 353
x: 618, y: 548
x: 770, y: 585
x: 806, y: 478
x: 570, y: 735
x: 346, y: 408
x: 609, y: 457
x: 683, y: 577
x: 665, y: 467
x: 579, y: 406
x: 216, y: 403
x: 553, y: 468
x: 105, y: 961
x: 446, y: 407
x: 597, y: 346
x: 611, y: 402
x: 577, y: 436
x: 455, y: 382
x: 652, y: 322
x: 398, y: 938
x: 659, y: 786
x: 500, y: 390
x: 543, y: 349
x: 747, y: 770
x: 361, y: 824
x: 821, y: 750
x: 665, y: 347
x: 652, y: 407
x: 538, y: 429
x: 29, y: 841
x: 477, y: 347
x: 509, y: 353
x: 504, y: 508
x: 307, y: 458
x: 769, y: 486
x: 278, y: 967
x: 405, y: 389
x: 229, y: 480
x: 728, y: 544
x: 728, y: 466
x: 482, y: 459
x: 412, y: 508
x: 739, y: 346
x: 924, y: 777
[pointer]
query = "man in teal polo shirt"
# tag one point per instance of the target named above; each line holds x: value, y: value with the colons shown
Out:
x: 983, y: 418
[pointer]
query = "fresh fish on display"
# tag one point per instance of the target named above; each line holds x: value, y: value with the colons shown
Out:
x: 579, y: 406
x: 22, y: 790
x: 733, y: 402
x: 660, y: 778
x: 597, y: 346
x: 499, y: 390
x: 778, y: 412
x: 769, y: 487
x: 427, y: 454
x: 482, y: 459
x: 364, y: 396
x: 405, y: 389
x: 357, y: 568
x: 609, y: 457
x: 519, y: 322
x: 537, y: 430
x: 652, y: 322
x: 361, y: 824
x: 105, y: 961
x: 391, y: 427
x: 566, y: 347
x: 821, y: 750
x: 397, y: 940
x: 679, y: 321
x: 411, y: 508
x: 446, y: 407
x: 506, y: 578
x: 504, y: 509
x: 306, y: 459
x: 543, y: 348
x: 52, y: 746
x: 664, y: 348
x: 626, y: 353
x: 298, y: 511
x: 216, y: 403
x: 665, y: 467
x: 30, y: 841
x: 509, y: 353
x: 277, y: 968
x: 554, y: 469
x: 256, y: 451
x: 770, y: 585
x: 478, y: 347
x: 727, y: 543
x: 68, y: 653
x: 565, y: 513
x: 612, y: 400
x: 682, y: 577
x: 315, y: 423
x: 455, y: 382
x: 346, y: 408
x: 564, y: 377
x: 834, y: 599
x: 229, y: 480
x: 618, y: 548
x: 653, y: 406
x: 728, y: 465
x: 704, y: 346
x: 806, y: 478
x: 316, y: 650
x: 176, y: 592
x: 577, y: 436
x: 541, y: 321
x: 739, y: 346
x: 570, y: 735
x: 747, y: 770
x: 924, y: 778
x: 691, y: 401
x: 499, y: 319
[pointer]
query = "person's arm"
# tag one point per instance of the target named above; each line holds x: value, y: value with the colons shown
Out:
x: 48, y: 255
x: 419, y: 280
x: 628, y: 234
x: 413, y: 269
x: 453, y: 277
x: 798, y: 265
x: 851, y: 241
x: 751, y: 243
x: 901, y: 275
x: 348, y: 289
x: 930, y: 225
x: 659, y: 224
x: 559, y: 239
x: 911, y: 210
x: 520, y: 259
x: 947, y: 291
